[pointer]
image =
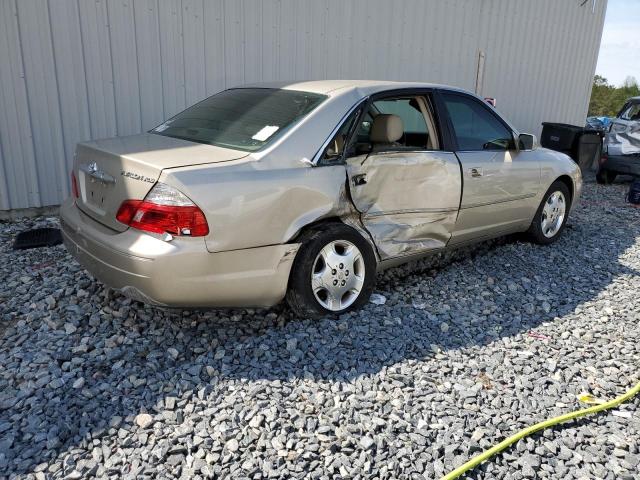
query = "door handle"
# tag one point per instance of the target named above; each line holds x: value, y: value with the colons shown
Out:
x: 475, y: 171
x: 359, y: 179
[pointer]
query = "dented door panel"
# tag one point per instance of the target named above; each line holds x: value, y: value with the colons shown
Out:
x: 408, y: 200
x: 397, y: 235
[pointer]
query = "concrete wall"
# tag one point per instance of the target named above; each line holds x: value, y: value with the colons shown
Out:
x: 72, y: 70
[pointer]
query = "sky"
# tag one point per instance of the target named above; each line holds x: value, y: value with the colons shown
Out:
x: 620, y: 49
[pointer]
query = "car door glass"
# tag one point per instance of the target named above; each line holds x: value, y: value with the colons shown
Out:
x: 333, y: 152
x: 416, y: 134
x: 474, y: 126
x: 415, y: 128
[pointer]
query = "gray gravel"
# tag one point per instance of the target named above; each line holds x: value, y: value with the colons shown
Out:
x: 462, y: 351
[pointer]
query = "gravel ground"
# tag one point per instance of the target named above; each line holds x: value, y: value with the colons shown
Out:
x: 467, y: 349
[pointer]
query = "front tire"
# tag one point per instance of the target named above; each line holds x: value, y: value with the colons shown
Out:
x: 334, y: 272
x: 551, y: 217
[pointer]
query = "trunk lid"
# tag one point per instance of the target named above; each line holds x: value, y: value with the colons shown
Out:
x: 116, y: 169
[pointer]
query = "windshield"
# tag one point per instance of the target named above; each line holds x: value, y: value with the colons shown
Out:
x: 243, y: 119
x: 631, y: 111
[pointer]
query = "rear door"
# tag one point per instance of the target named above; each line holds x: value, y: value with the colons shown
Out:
x: 499, y: 181
x: 407, y: 190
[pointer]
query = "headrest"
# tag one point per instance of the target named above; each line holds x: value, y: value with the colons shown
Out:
x: 386, y: 128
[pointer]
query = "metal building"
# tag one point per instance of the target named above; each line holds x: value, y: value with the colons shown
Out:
x: 72, y: 70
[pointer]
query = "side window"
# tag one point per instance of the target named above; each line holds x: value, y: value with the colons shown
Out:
x: 474, y: 126
x: 414, y: 136
x: 361, y: 142
x: 409, y: 111
x: 333, y: 152
x: 396, y: 124
x: 631, y: 113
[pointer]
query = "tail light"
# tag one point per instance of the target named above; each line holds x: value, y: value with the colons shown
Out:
x: 164, y: 210
x: 74, y: 185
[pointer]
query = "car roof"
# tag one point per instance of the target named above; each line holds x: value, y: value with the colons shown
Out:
x: 336, y: 87
x: 363, y: 88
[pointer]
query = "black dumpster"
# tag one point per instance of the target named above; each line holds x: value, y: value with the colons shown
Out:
x: 584, y: 145
x: 589, y: 150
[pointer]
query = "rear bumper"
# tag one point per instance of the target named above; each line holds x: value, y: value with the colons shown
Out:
x: 624, y: 164
x: 179, y: 273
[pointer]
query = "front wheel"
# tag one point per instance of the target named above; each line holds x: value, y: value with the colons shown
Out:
x: 334, y: 272
x: 551, y: 216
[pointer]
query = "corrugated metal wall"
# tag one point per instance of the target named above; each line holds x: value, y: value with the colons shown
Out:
x: 72, y: 70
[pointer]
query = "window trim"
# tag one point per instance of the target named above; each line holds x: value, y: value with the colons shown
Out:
x: 366, y: 102
x: 428, y: 112
x: 485, y: 106
x: 442, y: 122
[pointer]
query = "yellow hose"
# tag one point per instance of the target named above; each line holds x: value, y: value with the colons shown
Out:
x: 477, y: 460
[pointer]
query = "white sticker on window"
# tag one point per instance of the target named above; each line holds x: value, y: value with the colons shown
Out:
x: 265, y: 133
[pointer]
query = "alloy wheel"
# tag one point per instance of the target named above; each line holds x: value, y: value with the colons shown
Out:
x: 337, y: 277
x: 553, y: 214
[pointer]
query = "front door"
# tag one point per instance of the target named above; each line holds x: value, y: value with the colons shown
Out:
x: 498, y: 180
x: 406, y: 189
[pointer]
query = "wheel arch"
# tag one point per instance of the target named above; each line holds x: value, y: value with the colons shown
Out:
x: 314, y: 225
x: 352, y: 221
x: 568, y: 181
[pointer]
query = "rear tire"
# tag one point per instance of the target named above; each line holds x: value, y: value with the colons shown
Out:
x: 551, y: 216
x: 605, y: 177
x: 334, y: 272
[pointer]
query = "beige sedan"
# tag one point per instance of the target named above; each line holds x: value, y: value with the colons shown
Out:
x: 303, y: 191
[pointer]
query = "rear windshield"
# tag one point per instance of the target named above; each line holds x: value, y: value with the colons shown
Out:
x: 243, y: 119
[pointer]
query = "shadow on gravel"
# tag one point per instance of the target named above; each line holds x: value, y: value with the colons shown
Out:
x: 131, y: 357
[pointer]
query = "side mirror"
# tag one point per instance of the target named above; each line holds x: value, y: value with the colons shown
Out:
x: 527, y: 141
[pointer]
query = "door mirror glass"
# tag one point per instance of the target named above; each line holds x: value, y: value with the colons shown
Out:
x: 527, y: 141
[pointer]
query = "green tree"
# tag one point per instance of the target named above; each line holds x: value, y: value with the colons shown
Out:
x: 599, y: 81
x: 630, y: 82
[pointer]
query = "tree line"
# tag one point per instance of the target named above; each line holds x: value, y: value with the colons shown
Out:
x: 607, y: 100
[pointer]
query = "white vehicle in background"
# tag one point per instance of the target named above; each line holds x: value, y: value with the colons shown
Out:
x: 622, y: 144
